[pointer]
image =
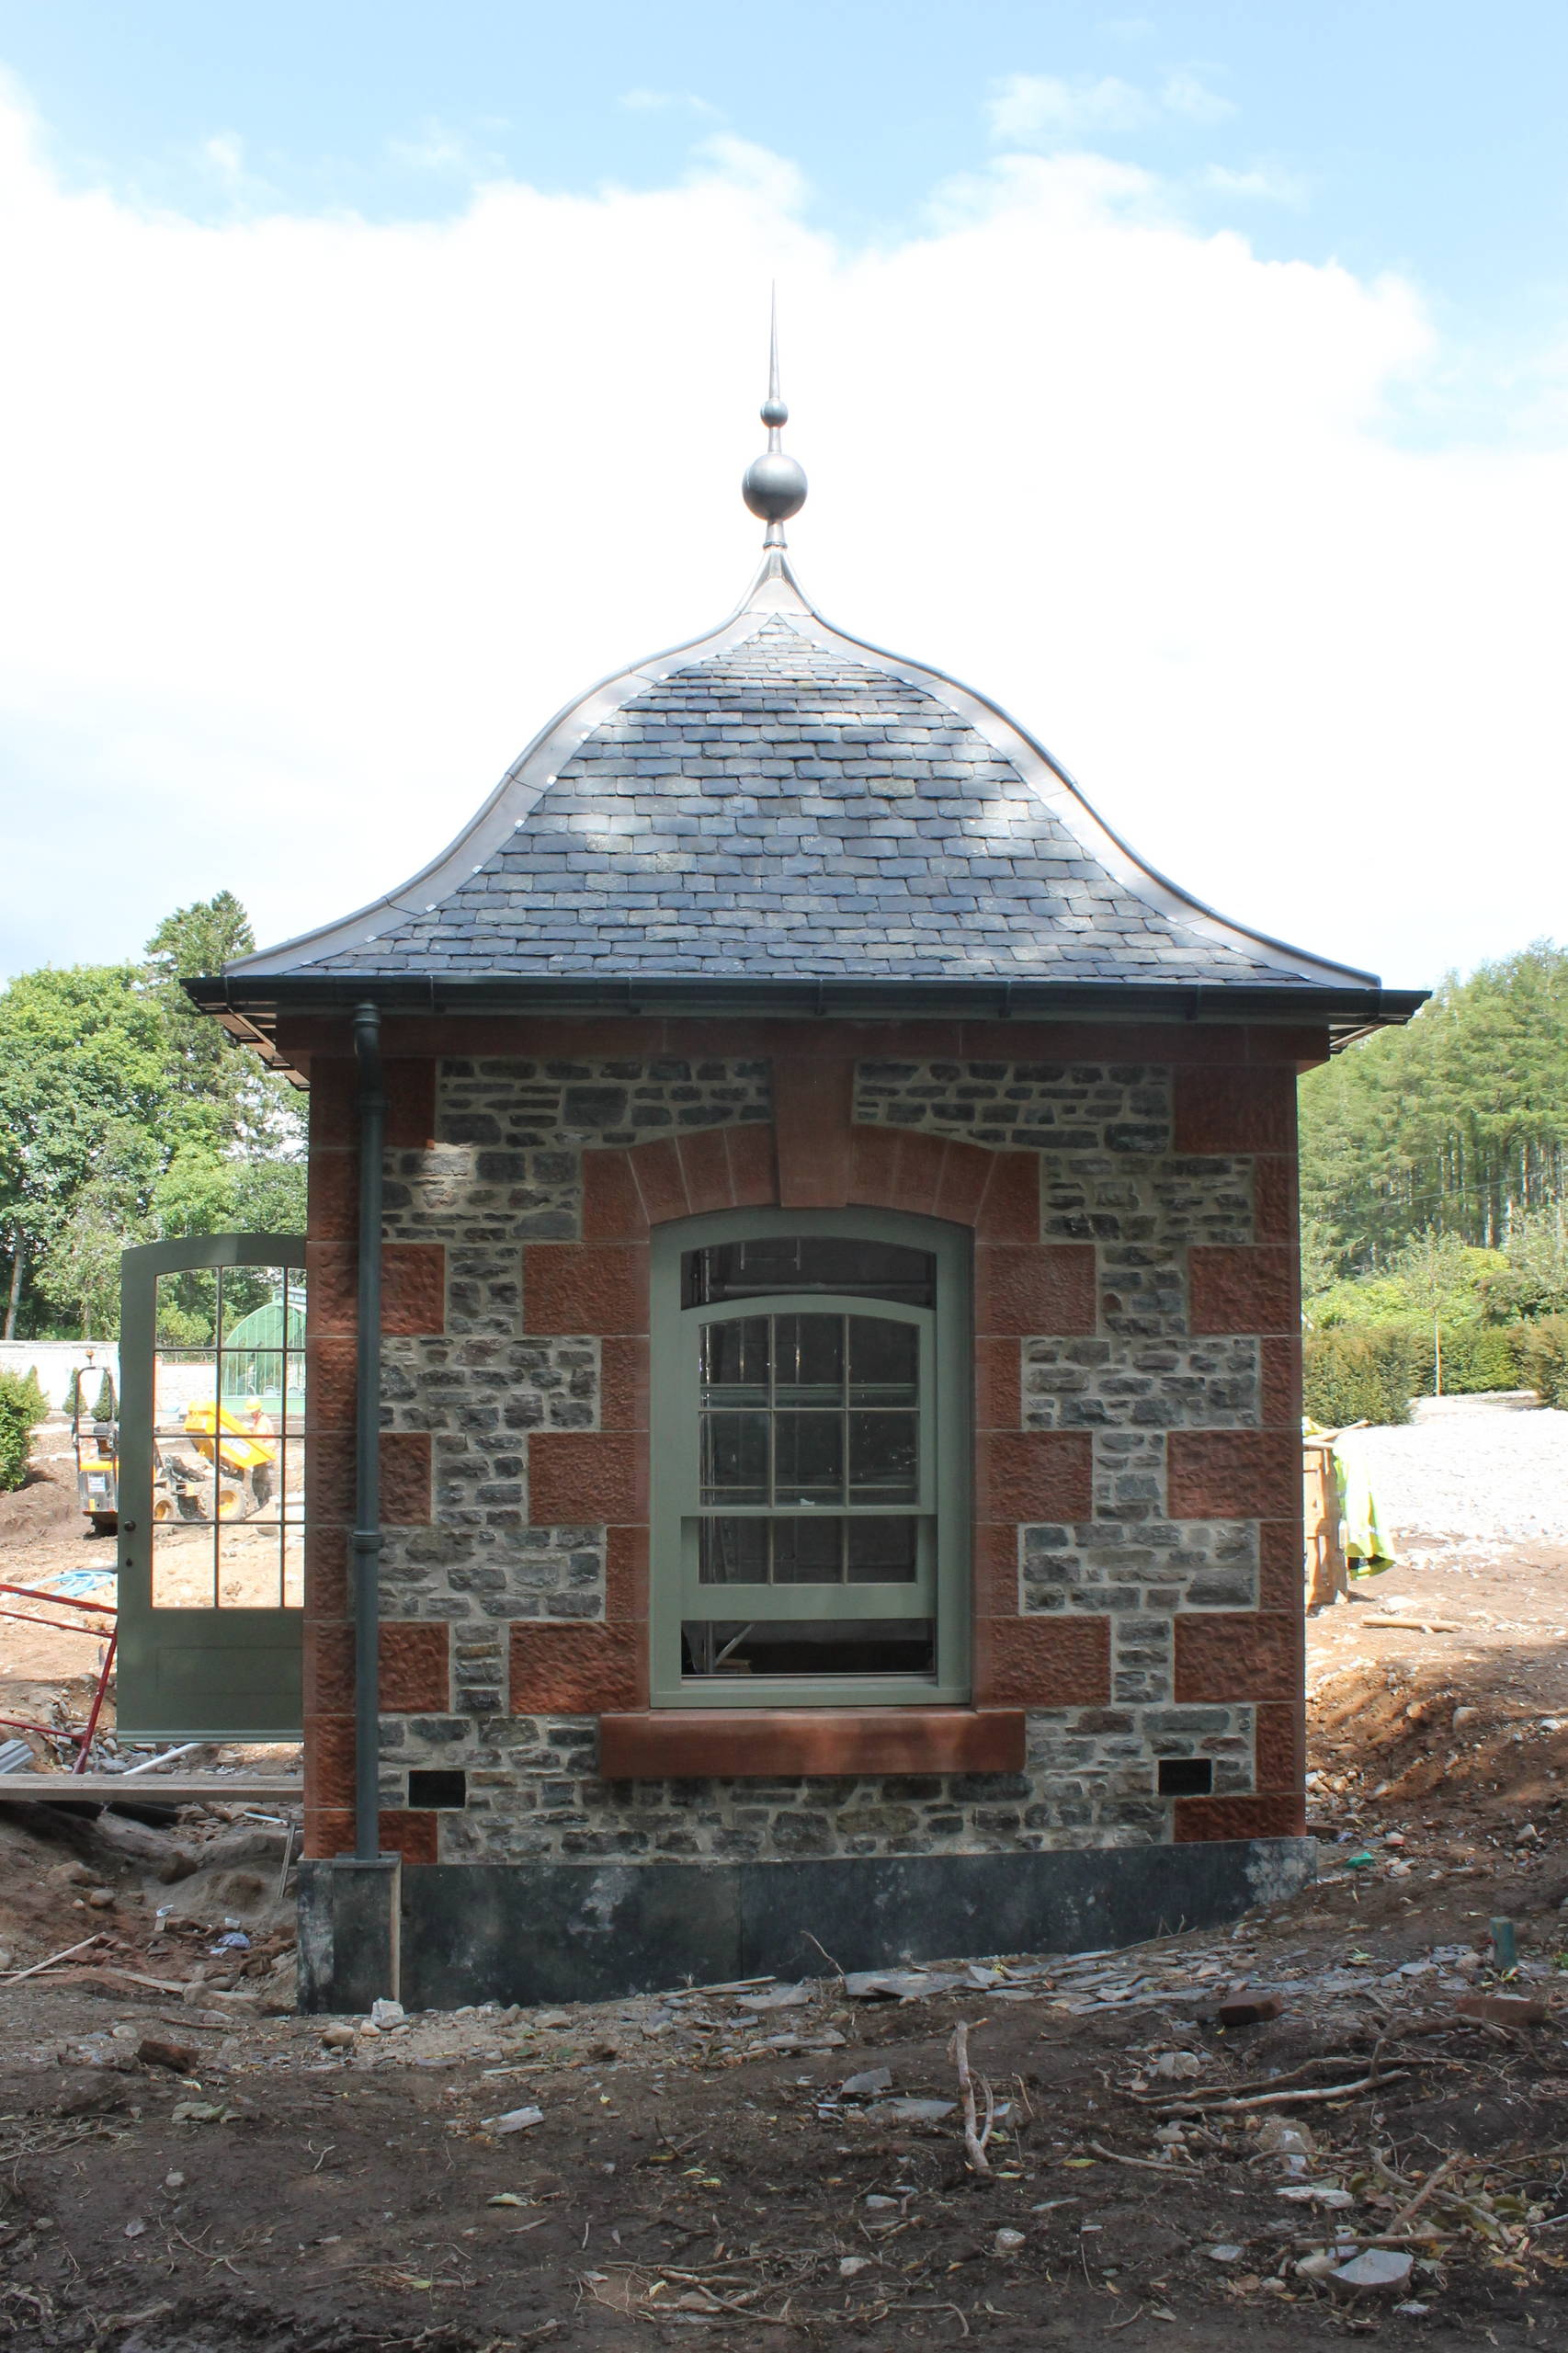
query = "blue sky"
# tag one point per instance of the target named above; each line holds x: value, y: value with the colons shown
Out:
x: 1194, y: 379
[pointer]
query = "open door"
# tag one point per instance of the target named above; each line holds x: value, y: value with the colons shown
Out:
x: 212, y: 1490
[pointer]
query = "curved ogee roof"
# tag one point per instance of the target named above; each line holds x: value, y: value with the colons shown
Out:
x: 778, y: 800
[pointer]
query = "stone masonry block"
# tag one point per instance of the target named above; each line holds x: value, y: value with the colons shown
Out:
x: 331, y: 1381
x: 414, y: 1287
x: 1033, y: 1475
x: 1010, y: 1207
x: 1283, y: 1816
x: 329, y: 1761
x: 412, y: 1835
x: 589, y: 1288
x: 612, y: 1205
x: 1233, y: 1474
x: 1225, y: 1655
x: 1250, y: 1290
x: 996, y: 1390
x: 587, y: 1475
x: 1281, y: 1753
x: 1039, y: 1662
x: 661, y: 1179
x: 626, y: 1573
x: 1274, y: 1196
x: 577, y: 1670
x: 333, y: 1194
x: 405, y: 1478
x: 812, y: 1109
x: 1027, y: 1287
x: 328, y: 1663
x: 1247, y: 1109
x: 332, y: 1287
x: 415, y: 1677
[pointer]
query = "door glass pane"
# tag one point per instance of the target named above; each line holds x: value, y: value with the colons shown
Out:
x: 228, y: 1501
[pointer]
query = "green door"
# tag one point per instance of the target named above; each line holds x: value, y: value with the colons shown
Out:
x: 212, y: 1488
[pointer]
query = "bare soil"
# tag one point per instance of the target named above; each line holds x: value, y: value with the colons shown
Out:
x: 694, y: 2173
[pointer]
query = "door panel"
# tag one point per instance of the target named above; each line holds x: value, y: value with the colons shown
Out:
x: 213, y: 1494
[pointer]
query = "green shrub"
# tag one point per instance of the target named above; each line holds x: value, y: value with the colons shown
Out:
x: 1476, y: 1357
x: 103, y: 1411
x: 1543, y: 1357
x: 22, y: 1406
x: 1366, y: 1375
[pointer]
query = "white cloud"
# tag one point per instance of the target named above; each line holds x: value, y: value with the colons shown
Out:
x: 437, y: 148
x: 224, y: 155
x: 1038, y: 109
x: 310, y: 522
x: 1262, y: 185
x: 1031, y: 106
x: 1185, y: 94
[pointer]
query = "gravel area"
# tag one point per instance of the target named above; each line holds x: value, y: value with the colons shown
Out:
x: 1492, y: 1467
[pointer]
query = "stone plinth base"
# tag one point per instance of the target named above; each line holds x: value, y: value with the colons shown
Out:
x: 575, y: 1932
x: 350, y: 1933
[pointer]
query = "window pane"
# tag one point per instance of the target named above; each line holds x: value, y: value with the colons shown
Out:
x: 808, y: 1552
x: 732, y: 1552
x: 883, y: 1455
x: 808, y: 1359
x: 882, y: 1552
x: 808, y: 1262
x: 808, y: 1647
x: 734, y: 1458
x: 735, y: 1363
x: 884, y: 1361
x: 808, y: 1457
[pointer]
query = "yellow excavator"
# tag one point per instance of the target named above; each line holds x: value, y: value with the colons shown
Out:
x: 226, y: 1471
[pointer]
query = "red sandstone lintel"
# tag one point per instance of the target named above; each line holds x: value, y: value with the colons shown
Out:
x: 697, y: 1743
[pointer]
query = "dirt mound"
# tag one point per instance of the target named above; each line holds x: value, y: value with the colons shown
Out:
x: 43, y: 1506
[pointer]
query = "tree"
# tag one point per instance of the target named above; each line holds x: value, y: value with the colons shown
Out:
x: 109, y: 1081
x: 1438, y: 1272
x: 82, y: 1061
x: 1459, y: 1119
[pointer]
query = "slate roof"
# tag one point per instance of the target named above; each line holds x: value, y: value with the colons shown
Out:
x: 779, y: 802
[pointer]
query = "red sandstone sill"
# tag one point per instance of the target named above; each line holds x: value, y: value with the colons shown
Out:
x: 697, y: 1743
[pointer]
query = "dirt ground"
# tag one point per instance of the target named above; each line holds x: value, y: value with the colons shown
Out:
x: 704, y: 2165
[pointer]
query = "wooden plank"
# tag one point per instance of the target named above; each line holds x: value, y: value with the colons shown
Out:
x: 150, y: 1789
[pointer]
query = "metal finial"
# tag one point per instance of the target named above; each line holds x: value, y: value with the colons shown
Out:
x: 774, y: 485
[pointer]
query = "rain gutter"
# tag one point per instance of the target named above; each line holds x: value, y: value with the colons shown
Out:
x: 366, y: 1543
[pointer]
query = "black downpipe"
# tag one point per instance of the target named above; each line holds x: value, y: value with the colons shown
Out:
x: 367, y: 1541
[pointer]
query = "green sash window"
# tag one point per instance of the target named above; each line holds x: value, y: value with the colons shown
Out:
x: 809, y: 1458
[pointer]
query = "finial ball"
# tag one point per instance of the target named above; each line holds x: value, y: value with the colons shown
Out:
x: 774, y: 486
x: 774, y: 412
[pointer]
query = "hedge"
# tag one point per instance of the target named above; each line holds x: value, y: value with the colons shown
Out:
x: 1358, y: 1376
x: 22, y: 1406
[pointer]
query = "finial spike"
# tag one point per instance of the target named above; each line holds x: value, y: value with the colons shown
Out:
x: 774, y: 485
